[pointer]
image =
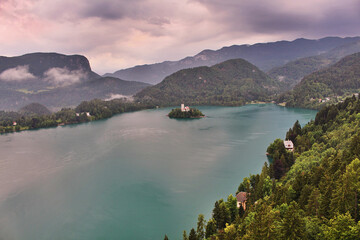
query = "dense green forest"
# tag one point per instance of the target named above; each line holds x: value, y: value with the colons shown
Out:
x: 292, y: 72
x: 193, y: 113
x: 34, y: 116
x: 310, y: 193
x: 232, y: 83
x: 329, y: 85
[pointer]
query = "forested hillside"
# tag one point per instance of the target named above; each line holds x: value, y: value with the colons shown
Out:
x: 326, y: 86
x: 311, y: 193
x: 292, y: 72
x: 34, y: 116
x: 233, y: 82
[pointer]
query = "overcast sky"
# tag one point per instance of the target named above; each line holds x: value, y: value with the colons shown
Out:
x: 115, y: 34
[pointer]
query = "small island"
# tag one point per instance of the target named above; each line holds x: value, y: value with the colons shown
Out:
x: 185, y: 112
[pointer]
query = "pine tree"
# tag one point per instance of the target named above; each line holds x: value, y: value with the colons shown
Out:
x: 200, y: 231
x: 264, y: 224
x: 192, y: 235
x: 346, y: 197
x: 210, y: 228
x: 185, y: 237
x: 231, y: 205
x: 313, y: 206
x: 293, y: 224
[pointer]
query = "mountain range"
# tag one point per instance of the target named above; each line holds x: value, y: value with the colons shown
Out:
x: 233, y: 82
x: 326, y: 86
x: 56, y: 80
x: 263, y: 55
x: 292, y: 72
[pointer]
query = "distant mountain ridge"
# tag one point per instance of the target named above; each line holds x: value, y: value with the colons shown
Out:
x: 263, y: 55
x: 292, y: 72
x: 233, y: 82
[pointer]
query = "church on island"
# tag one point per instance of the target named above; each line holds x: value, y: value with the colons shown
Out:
x: 184, y: 109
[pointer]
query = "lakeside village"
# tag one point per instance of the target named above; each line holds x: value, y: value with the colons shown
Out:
x: 337, y: 98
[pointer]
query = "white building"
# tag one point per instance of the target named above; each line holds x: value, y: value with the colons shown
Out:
x: 289, y: 145
x: 184, y: 109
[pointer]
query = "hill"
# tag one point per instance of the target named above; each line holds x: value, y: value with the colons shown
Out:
x: 264, y: 55
x: 233, y: 82
x: 55, y: 80
x: 310, y: 193
x: 34, y: 109
x: 329, y: 85
x: 39, y: 71
x: 101, y: 88
x: 69, y: 96
x: 292, y: 72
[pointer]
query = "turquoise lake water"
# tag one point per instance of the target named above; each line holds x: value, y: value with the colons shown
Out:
x: 137, y: 175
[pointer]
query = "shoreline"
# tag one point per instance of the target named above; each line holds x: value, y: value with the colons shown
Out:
x: 62, y: 124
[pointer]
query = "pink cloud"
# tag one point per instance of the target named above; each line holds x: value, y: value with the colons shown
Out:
x: 115, y: 34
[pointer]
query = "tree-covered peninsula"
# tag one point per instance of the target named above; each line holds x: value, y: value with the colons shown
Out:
x: 34, y: 116
x: 188, y: 113
x: 312, y: 192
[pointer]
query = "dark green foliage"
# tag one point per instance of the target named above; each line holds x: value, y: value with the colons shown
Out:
x: 282, y: 158
x: 231, y: 206
x: 241, y: 211
x: 233, y: 82
x: 192, y: 235
x: 34, y: 109
x: 292, y: 72
x: 221, y: 214
x: 315, y: 197
x: 341, y: 79
x: 294, y: 132
x: 200, y: 230
x: 97, y: 109
x: 193, y: 113
x: 166, y: 237
x: 210, y: 228
x: 292, y: 225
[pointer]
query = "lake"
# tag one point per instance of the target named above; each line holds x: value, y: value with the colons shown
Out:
x: 137, y: 175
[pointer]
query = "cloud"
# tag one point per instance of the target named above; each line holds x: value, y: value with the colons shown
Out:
x: 113, y: 96
x: 17, y: 74
x: 306, y: 17
x: 115, y: 34
x: 62, y: 77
